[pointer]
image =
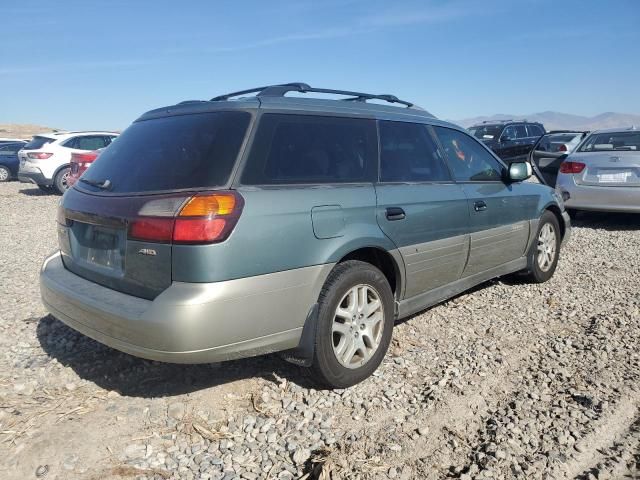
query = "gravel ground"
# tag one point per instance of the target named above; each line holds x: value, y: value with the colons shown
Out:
x: 507, y: 381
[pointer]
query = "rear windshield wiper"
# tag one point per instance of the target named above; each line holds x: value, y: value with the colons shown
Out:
x: 101, y: 184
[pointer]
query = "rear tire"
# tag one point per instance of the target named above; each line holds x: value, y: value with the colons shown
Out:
x: 5, y: 174
x: 355, y: 324
x: 60, y: 182
x: 542, y: 258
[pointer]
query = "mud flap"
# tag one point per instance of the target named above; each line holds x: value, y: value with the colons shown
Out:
x: 302, y: 355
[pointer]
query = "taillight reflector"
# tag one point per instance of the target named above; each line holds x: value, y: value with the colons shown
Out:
x: 571, y: 167
x: 39, y: 155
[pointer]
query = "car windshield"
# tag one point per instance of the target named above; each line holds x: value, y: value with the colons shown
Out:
x: 559, y: 142
x: 38, y: 142
x: 171, y: 153
x: 486, y: 132
x: 602, y: 142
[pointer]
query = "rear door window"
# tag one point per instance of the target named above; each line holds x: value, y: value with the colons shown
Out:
x: 170, y: 153
x: 299, y: 149
x: 535, y: 131
x: 93, y: 142
x: 468, y: 159
x: 521, y: 131
x: 38, y: 142
x: 408, y: 153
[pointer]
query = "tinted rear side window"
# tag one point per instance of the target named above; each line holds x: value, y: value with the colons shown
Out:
x: 187, y: 151
x: 409, y: 154
x: 38, y: 142
x: 294, y: 149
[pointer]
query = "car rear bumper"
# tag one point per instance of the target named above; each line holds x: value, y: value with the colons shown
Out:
x: 188, y: 322
x: 33, y: 177
x: 598, y: 198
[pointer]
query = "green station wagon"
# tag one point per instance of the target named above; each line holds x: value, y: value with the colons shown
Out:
x: 262, y: 222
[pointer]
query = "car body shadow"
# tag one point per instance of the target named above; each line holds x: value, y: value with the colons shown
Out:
x: 613, y: 221
x: 36, y: 192
x: 136, y: 377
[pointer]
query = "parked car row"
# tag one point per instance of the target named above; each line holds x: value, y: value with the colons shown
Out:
x: 597, y: 171
x: 258, y: 222
x: 46, y: 159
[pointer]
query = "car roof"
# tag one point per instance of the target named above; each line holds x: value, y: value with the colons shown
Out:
x: 502, y: 123
x: 312, y: 106
x: 617, y: 130
x: 63, y: 135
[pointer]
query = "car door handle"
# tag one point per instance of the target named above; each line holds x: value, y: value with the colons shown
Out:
x: 395, y: 213
x: 479, y: 206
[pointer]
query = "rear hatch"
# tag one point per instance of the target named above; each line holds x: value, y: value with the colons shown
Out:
x: 36, y: 143
x: 609, y: 169
x: 116, y: 225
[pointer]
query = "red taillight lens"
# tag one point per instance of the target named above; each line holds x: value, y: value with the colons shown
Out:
x: 198, y: 230
x: 571, y: 167
x: 203, y: 218
x: 39, y: 155
x: 562, y: 148
x: 151, y: 229
x: 86, y: 157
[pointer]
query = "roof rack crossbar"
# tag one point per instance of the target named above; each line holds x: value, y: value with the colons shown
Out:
x: 281, y: 90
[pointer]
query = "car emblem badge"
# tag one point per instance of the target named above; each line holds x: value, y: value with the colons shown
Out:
x: 147, y: 251
x: 614, y: 159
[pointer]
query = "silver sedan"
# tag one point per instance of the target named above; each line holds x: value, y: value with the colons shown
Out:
x: 603, y: 173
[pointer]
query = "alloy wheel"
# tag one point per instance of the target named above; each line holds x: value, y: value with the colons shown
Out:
x: 357, y: 326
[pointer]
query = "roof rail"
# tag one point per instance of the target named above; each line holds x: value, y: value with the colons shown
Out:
x: 281, y: 90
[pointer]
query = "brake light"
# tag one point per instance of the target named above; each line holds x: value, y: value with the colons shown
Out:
x: 39, y: 155
x: 203, y: 218
x: 151, y: 229
x: 571, y: 167
x: 562, y: 148
x: 86, y: 157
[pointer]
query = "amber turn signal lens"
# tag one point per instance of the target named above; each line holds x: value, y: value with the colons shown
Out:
x: 211, y: 204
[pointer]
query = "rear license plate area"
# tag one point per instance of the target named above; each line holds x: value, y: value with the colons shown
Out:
x: 613, y: 177
x: 97, y: 247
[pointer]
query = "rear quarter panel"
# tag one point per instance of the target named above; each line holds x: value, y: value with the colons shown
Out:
x: 276, y: 233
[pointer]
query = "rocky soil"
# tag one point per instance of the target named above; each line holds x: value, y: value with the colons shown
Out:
x: 507, y: 381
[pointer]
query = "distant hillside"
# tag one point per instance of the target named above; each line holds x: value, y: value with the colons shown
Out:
x: 557, y: 120
x: 26, y: 131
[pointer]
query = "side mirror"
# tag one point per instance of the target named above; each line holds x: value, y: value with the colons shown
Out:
x: 519, y: 171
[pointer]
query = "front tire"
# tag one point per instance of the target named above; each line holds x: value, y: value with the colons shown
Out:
x: 542, y: 259
x: 355, y: 324
x: 60, y: 182
x: 5, y: 174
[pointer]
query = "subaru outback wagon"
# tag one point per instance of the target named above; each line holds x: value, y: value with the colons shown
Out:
x: 244, y: 225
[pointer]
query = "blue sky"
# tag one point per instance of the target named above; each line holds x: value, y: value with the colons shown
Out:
x: 98, y: 64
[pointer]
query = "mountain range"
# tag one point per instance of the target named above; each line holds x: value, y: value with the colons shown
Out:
x: 558, y: 121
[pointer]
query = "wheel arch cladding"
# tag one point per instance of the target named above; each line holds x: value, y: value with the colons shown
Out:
x: 382, y: 260
x: 558, y: 214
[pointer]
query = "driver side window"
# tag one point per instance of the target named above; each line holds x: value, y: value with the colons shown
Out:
x: 509, y: 133
x: 469, y: 161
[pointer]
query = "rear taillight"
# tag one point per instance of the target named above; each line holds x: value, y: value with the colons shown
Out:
x: 39, y: 155
x: 203, y: 218
x: 571, y: 167
x: 562, y: 148
x: 83, y: 161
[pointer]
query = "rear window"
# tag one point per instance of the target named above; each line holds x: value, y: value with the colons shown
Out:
x: 170, y: 153
x: 555, y: 141
x: 295, y: 149
x: 602, y: 142
x: 38, y: 142
x: 486, y: 132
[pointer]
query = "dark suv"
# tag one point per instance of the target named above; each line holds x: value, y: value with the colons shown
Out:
x: 234, y: 227
x: 511, y: 140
